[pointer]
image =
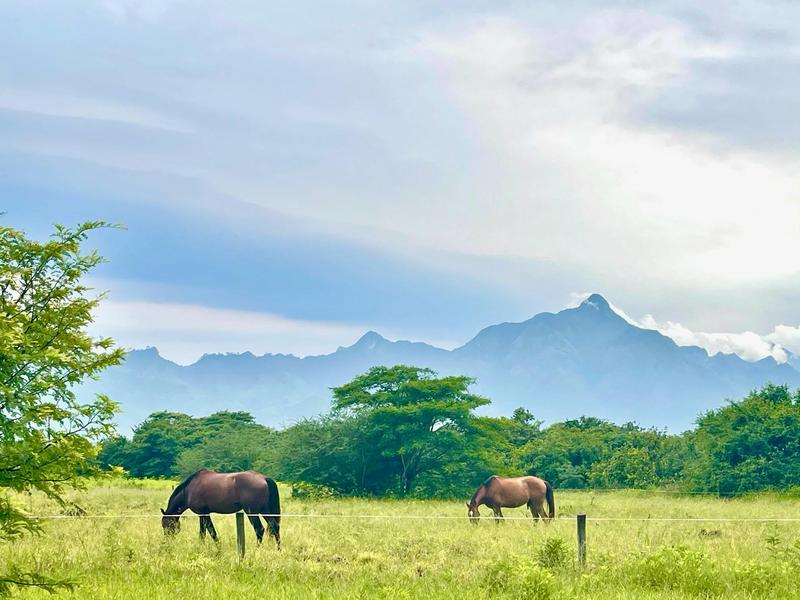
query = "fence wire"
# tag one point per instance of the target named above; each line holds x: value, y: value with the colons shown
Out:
x: 433, y: 517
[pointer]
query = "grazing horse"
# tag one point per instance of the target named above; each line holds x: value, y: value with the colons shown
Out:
x: 208, y: 492
x: 499, y: 492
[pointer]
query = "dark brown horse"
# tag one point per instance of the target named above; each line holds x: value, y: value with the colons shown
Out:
x: 208, y: 492
x: 501, y: 492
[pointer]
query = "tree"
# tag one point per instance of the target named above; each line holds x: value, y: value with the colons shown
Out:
x: 749, y: 445
x: 158, y: 442
x: 170, y: 444
x: 628, y: 467
x: 584, y: 451
x: 411, y: 417
x: 231, y: 441
x: 47, y: 437
x: 334, y: 451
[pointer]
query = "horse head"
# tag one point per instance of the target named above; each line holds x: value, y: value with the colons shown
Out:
x: 170, y: 523
x: 472, y: 513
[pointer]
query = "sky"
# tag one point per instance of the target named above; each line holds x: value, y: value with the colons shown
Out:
x: 292, y: 174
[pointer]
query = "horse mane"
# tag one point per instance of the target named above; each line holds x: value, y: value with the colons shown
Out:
x: 182, y: 485
x: 485, y: 484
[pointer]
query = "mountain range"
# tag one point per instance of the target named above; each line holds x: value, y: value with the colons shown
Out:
x: 580, y: 361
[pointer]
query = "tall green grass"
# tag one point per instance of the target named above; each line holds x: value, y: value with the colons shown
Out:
x: 123, y: 557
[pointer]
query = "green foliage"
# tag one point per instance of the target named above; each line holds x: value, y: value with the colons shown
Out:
x: 331, y: 451
x: 413, y: 419
x: 521, y: 578
x: 554, y: 553
x: 362, y: 555
x: 677, y: 568
x: 311, y: 491
x: 751, y: 444
x: 169, y: 444
x: 592, y: 452
x: 402, y: 431
x: 47, y: 437
x: 628, y: 467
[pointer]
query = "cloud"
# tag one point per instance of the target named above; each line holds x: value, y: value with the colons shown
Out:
x: 641, y: 151
x: 184, y: 332
x: 89, y: 108
x: 748, y: 345
x: 787, y: 337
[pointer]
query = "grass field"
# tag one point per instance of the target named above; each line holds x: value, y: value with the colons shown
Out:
x: 405, y: 558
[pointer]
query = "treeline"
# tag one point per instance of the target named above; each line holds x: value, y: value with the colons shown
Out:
x: 403, y: 431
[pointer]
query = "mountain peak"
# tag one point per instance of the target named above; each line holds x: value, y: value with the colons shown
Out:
x: 597, y: 302
x: 370, y: 339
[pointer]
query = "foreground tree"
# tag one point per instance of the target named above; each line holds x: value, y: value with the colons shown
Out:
x: 411, y: 417
x: 47, y: 437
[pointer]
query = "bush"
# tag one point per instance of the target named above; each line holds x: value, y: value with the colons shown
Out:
x: 553, y: 554
x: 311, y: 491
x: 521, y: 578
x: 677, y: 568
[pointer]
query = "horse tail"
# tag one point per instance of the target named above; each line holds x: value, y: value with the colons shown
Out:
x: 273, y: 498
x: 274, y: 510
x: 551, y: 503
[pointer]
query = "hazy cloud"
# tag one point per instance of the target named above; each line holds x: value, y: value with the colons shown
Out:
x: 184, y: 332
x: 643, y: 151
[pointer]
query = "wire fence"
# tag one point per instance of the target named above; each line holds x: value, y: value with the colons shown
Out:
x: 367, y: 516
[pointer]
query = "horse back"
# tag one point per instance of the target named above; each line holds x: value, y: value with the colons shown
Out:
x: 516, y: 491
x: 227, y: 492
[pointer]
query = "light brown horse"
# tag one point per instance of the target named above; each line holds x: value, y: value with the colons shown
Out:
x: 510, y: 492
x: 208, y: 492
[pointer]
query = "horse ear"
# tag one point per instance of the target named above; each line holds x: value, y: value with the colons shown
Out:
x: 162, y: 512
x: 467, y: 503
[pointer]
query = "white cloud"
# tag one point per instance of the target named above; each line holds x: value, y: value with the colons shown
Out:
x: 517, y: 135
x: 748, y: 345
x: 184, y: 332
x: 582, y: 184
x: 59, y: 104
x: 786, y: 336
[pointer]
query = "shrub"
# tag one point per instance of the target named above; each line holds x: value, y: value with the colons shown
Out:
x: 553, y: 554
x: 677, y: 568
x: 522, y: 578
x: 311, y: 491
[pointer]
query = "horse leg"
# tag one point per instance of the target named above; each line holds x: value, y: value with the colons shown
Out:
x: 274, y: 525
x: 534, y: 512
x: 542, y: 514
x: 211, y: 529
x: 255, y: 521
x: 203, y: 527
x: 498, y: 514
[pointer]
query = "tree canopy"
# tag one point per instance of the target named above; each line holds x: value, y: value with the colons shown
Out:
x: 47, y: 437
x: 403, y: 431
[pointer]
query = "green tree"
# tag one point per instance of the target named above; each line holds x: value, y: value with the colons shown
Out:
x: 170, y: 444
x: 627, y: 467
x: 229, y: 442
x: 47, y: 437
x: 411, y: 417
x: 749, y: 445
x: 158, y: 442
x: 590, y: 451
x: 334, y: 451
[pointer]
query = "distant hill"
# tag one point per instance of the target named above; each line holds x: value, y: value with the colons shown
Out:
x: 584, y: 360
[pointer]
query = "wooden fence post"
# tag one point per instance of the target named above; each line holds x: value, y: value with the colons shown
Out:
x: 582, y: 539
x: 240, y: 534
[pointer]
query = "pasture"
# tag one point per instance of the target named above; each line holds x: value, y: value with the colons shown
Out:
x: 354, y: 557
